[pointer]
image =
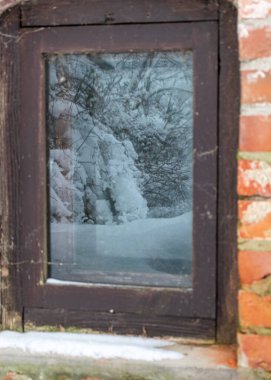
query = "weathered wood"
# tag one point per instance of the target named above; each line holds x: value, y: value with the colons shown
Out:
x: 199, y: 37
x: 87, y: 12
x: 122, y: 299
x: 147, y: 324
x: 44, y: 13
x: 9, y: 170
x: 229, y: 101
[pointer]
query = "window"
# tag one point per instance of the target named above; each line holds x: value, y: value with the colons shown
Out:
x: 120, y: 136
x: 119, y: 129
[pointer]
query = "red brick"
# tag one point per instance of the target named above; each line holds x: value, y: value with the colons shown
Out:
x: 253, y: 266
x: 254, y: 310
x: 9, y: 376
x: 256, y: 86
x: 255, y: 133
x: 255, y: 351
x: 255, y: 219
x: 254, y: 178
x: 254, y: 8
x: 255, y: 44
x: 219, y: 355
x: 242, y: 207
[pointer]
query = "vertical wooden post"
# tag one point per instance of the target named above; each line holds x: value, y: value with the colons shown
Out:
x: 11, y: 314
x: 229, y: 103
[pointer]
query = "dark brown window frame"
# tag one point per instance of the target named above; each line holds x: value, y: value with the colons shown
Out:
x: 139, y: 301
x: 49, y: 309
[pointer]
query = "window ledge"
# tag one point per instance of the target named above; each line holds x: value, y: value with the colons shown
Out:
x: 106, y: 356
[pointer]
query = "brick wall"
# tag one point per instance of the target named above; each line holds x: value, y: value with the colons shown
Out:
x: 254, y: 185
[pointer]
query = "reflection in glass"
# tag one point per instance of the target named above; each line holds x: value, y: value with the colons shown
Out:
x: 120, y: 131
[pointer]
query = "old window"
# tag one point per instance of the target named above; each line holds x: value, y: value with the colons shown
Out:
x: 119, y: 148
x: 120, y: 143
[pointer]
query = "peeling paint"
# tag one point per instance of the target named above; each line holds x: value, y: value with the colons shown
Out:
x: 256, y: 23
x: 256, y: 109
x: 256, y: 64
x: 242, y: 359
x: 243, y: 30
x: 257, y: 8
x: 256, y: 211
x: 260, y: 173
x: 253, y: 77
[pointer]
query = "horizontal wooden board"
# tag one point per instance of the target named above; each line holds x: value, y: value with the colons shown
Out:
x: 87, y: 12
x: 123, y: 323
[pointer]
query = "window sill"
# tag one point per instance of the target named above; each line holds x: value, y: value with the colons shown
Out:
x: 109, y: 356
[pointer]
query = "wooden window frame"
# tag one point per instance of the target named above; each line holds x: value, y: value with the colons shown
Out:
x: 177, y: 307
x: 92, y: 306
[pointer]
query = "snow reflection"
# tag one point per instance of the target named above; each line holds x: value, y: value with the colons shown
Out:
x: 120, y: 136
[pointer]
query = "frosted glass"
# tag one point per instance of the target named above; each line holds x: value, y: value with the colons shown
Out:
x: 120, y: 167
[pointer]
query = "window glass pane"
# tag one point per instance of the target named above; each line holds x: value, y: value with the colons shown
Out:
x: 120, y: 163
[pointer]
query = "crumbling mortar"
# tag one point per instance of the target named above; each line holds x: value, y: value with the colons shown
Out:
x: 255, y: 156
x: 264, y: 331
x: 256, y: 109
x: 253, y: 23
x: 263, y: 64
x: 261, y: 287
x: 256, y: 10
x: 257, y: 245
x: 260, y: 374
x: 256, y: 211
x: 252, y: 198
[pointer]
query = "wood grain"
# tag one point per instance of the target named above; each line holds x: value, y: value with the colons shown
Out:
x: 121, y: 323
x: 200, y: 37
x: 9, y: 170
x: 88, y: 12
x: 229, y: 102
x: 56, y: 306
